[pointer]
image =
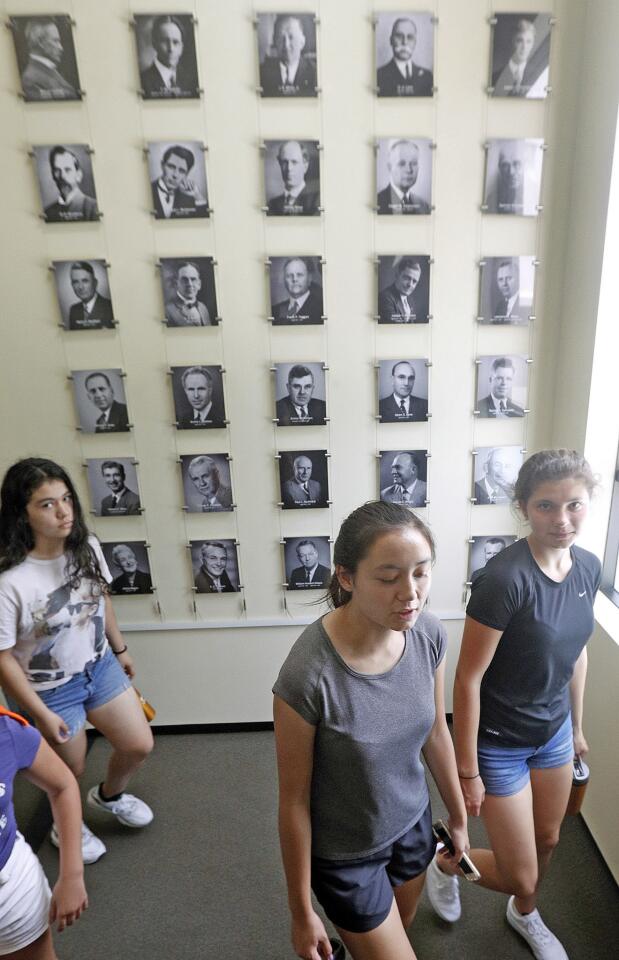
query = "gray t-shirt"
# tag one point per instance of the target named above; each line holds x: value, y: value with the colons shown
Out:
x: 368, y: 782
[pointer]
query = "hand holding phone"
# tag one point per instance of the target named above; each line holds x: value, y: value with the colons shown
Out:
x: 441, y: 832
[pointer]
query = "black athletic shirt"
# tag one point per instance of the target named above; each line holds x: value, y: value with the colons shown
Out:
x: 525, y: 690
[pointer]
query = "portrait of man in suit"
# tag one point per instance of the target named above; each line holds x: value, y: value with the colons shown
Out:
x: 498, y: 402
x: 299, y: 407
x: 310, y: 574
x: 403, y: 165
x: 401, y: 405
x: 173, y: 71
x: 506, y: 290
x: 185, y: 309
x: 296, y: 198
x: 175, y: 193
x: 507, y: 302
x: 401, y: 76
x: 67, y: 173
x: 288, y: 68
x: 496, y: 469
x: 303, y: 305
x: 407, y: 486
x: 212, y: 576
x: 112, y: 414
x: 405, y: 300
x: 513, y: 176
x: 46, y: 58
x: 300, y: 489
x: 121, y: 501
x: 197, y: 405
x: 213, y: 494
x: 520, y: 56
x: 483, y: 549
x: 132, y: 580
x: 91, y: 309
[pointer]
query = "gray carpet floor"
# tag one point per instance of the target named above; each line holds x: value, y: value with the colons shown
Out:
x: 205, y: 880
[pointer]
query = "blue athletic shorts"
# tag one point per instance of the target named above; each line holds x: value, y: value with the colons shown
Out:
x: 356, y: 895
x: 505, y: 770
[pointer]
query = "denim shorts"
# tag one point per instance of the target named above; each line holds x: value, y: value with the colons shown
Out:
x: 505, y: 770
x: 356, y: 895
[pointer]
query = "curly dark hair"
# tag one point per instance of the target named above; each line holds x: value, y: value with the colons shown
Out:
x: 16, y: 538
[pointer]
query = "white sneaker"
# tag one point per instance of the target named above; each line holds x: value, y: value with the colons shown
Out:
x: 127, y: 809
x: 92, y: 847
x: 443, y: 892
x: 532, y: 928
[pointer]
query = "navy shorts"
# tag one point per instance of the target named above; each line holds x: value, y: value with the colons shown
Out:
x: 356, y: 895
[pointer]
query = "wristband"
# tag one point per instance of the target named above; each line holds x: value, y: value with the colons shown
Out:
x: 117, y: 653
x: 460, y: 775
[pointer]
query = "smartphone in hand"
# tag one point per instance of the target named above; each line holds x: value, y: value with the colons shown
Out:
x: 441, y: 832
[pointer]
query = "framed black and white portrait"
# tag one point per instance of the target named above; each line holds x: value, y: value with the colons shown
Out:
x: 287, y: 54
x: 215, y: 566
x: 66, y: 182
x: 404, y: 176
x: 178, y: 180
x: 188, y: 287
x: 83, y: 292
x: 100, y: 400
x: 296, y: 291
x: 403, y: 477
x: 495, y: 470
x: 307, y: 562
x: 207, y: 486
x: 403, y: 289
x: 167, y: 56
x: 130, y: 567
x: 198, y: 397
x: 303, y: 479
x: 300, y: 397
x: 506, y: 290
x: 402, y: 391
x: 404, y: 54
x: 485, y: 548
x: 502, y: 387
x: 520, y: 55
x: 513, y: 177
x: 292, y: 178
x: 113, y: 485
x: 46, y: 57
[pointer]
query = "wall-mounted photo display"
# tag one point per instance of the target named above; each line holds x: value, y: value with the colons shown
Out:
x: 46, y: 57
x: 404, y: 176
x: 206, y: 483
x: 167, y: 56
x: 303, y: 479
x: 100, y: 400
x: 520, y: 55
x: 513, y: 177
x: 404, y: 54
x: 403, y: 289
x: 83, y: 292
x: 66, y: 183
x: 178, y: 180
x: 484, y: 549
x: 296, y: 291
x: 129, y: 565
x: 506, y: 289
x: 215, y: 566
x: 300, y: 393
x: 402, y: 391
x: 198, y: 392
x: 287, y: 54
x: 188, y: 287
x: 403, y: 477
x: 501, y: 386
x: 292, y: 178
x: 495, y: 470
x: 307, y: 561
x: 113, y: 487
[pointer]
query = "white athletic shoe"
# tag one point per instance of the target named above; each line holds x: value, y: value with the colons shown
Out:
x: 92, y: 848
x: 127, y: 809
x: 443, y: 892
x: 532, y: 928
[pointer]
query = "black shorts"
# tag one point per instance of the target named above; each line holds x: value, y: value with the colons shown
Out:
x: 356, y: 895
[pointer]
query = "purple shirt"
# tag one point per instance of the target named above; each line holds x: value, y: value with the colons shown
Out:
x: 18, y: 748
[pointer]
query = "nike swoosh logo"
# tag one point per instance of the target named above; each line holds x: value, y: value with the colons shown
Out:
x: 582, y: 594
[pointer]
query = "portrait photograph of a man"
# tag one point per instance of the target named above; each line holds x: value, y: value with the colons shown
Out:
x: 501, y: 387
x: 296, y: 291
x: 66, y: 183
x: 402, y: 391
x: 178, y: 180
x: 287, y: 54
x: 215, y: 566
x: 403, y: 289
x: 206, y: 483
x: 292, y: 178
x: 113, y: 485
x: 83, y: 293
x: 506, y: 290
x: 303, y: 479
x: 100, y: 400
x: 484, y: 549
x: 46, y: 58
x: 520, y: 55
x: 300, y: 394
x: 198, y: 397
x: 307, y: 562
x: 513, y: 177
x: 494, y: 473
x: 404, y: 176
x: 404, y: 54
x: 129, y: 565
x: 167, y: 56
x: 188, y: 287
x: 403, y: 477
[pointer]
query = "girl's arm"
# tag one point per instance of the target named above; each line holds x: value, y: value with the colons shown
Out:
x: 115, y: 637
x: 577, y: 693
x: 13, y: 681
